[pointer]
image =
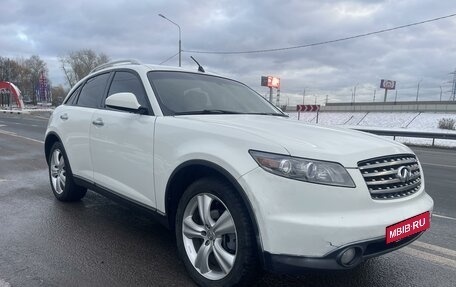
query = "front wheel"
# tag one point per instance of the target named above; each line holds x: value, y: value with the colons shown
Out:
x: 214, y: 235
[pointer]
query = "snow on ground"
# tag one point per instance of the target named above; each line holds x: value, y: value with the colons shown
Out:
x: 326, y: 118
x: 388, y: 120
x: 430, y: 121
x: 416, y: 121
x: 27, y: 110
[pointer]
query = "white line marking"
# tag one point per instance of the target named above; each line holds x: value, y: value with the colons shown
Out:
x: 34, y: 120
x: 40, y: 117
x: 18, y: 136
x: 443, y: 216
x: 3, y: 283
x: 432, y: 247
x: 440, y: 165
x: 7, y: 132
x: 439, y: 260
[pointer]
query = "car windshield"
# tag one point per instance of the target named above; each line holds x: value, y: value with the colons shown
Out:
x: 182, y: 93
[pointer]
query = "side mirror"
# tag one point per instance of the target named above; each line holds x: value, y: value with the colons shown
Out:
x: 125, y: 102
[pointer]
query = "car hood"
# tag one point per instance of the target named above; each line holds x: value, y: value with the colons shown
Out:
x: 345, y: 146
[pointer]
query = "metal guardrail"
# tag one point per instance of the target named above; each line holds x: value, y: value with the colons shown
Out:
x: 412, y: 134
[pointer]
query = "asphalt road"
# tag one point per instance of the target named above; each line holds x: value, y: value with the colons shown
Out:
x: 96, y: 242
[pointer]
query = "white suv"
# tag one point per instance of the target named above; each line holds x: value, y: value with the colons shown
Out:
x: 242, y: 186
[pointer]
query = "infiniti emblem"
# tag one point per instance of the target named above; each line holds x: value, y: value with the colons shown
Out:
x: 404, y: 173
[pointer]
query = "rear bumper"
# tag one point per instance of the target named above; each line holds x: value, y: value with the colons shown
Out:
x: 290, y: 264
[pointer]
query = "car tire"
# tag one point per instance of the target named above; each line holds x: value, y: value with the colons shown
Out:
x: 61, y: 177
x: 221, y: 249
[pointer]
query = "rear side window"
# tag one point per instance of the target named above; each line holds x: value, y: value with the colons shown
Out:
x: 126, y: 82
x: 72, y: 98
x: 93, y: 91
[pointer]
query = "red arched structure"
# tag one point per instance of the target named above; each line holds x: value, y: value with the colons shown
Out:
x: 14, y: 91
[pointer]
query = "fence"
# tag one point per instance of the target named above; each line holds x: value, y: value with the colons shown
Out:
x: 411, y: 106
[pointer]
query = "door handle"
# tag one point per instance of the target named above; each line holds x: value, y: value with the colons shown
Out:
x: 64, y: 117
x: 98, y: 122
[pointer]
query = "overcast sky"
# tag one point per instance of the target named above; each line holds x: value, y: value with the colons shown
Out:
x: 132, y: 29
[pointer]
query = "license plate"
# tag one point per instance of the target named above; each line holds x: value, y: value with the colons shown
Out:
x: 408, y: 227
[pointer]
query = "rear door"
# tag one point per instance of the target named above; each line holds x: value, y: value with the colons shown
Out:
x: 76, y: 121
x: 122, y: 144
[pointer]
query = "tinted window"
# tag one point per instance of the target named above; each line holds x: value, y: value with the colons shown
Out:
x: 183, y: 93
x: 72, y: 98
x: 124, y: 82
x: 93, y: 91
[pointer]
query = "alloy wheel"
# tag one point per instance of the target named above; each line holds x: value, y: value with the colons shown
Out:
x: 58, y: 171
x: 209, y: 236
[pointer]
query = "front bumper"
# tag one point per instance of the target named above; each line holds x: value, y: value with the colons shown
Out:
x: 312, y: 221
x: 297, y: 264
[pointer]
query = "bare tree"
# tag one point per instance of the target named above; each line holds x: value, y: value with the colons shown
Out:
x: 9, y: 70
x: 58, y: 94
x: 24, y: 79
x: 78, y: 64
x: 35, y: 66
x: 24, y: 73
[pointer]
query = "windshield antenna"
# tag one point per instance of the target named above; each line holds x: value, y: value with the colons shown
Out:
x: 200, y: 68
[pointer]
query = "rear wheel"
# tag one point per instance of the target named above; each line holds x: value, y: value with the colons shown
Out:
x: 214, y: 235
x: 60, y: 176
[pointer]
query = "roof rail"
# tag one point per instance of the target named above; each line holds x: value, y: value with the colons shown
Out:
x: 113, y: 63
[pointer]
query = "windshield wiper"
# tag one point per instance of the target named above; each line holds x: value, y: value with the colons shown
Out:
x: 206, y: 112
x: 270, y: 114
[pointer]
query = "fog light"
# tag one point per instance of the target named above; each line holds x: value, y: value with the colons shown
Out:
x: 347, y: 256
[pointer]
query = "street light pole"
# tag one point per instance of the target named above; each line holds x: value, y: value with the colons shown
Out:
x: 418, y: 90
x: 354, y: 93
x: 180, y: 42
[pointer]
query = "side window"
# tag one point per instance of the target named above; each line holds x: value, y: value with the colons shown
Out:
x: 128, y: 82
x: 72, y: 98
x: 93, y: 91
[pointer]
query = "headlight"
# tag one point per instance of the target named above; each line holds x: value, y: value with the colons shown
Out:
x: 315, y: 171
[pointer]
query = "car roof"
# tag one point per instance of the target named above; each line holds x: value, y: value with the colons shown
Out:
x: 136, y: 65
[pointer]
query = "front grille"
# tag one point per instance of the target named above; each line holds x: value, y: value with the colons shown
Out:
x: 382, y: 179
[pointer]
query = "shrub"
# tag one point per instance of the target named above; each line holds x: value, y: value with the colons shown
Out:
x: 447, y: 124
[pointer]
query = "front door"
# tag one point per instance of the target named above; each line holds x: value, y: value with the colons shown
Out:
x: 122, y: 144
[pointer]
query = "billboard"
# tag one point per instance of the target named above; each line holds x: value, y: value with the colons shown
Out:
x: 387, y: 84
x: 270, y: 81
